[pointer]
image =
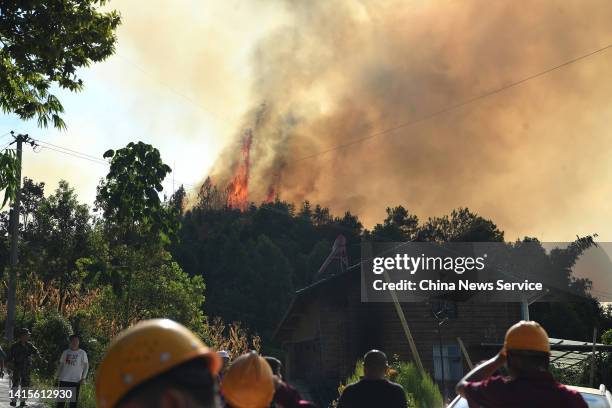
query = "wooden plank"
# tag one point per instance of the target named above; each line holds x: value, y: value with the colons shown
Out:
x: 407, y: 333
x: 465, y: 353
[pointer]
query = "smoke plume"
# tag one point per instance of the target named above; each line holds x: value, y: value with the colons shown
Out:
x: 341, y: 71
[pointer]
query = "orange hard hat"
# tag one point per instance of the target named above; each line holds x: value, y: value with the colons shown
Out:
x: 144, y: 351
x: 527, y: 335
x: 249, y: 382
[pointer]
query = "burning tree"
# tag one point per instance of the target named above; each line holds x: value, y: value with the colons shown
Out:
x: 238, y: 189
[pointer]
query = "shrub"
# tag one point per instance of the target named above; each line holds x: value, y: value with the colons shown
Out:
x: 230, y: 337
x: 606, y: 337
x: 92, y: 340
x: 421, y: 391
x: 50, y: 335
x: 420, y: 388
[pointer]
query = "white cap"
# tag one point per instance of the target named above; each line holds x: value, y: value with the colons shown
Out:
x: 223, y: 354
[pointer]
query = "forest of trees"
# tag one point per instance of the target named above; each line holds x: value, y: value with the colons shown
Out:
x: 102, y: 268
x: 253, y: 261
x: 133, y: 255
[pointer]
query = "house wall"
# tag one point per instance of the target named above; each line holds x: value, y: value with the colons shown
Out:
x: 341, y: 329
x: 474, y: 324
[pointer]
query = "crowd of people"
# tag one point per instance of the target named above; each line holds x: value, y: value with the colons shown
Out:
x: 159, y: 363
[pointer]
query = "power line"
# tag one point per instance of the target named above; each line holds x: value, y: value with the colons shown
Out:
x: 70, y: 150
x: 74, y: 155
x: 171, y: 89
x: 88, y: 157
x: 454, y: 106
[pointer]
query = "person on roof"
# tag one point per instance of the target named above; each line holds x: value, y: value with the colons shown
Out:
x: 158, y: 363
x: 526, y: 352
x: 373, y: 390
x: 248, y: 382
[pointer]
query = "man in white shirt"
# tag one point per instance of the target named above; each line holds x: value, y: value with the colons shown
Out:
x: 72, y: 370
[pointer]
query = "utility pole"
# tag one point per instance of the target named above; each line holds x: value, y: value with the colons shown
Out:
x: 441, y: 318
x: 14, y: 226
x: 592, y: 373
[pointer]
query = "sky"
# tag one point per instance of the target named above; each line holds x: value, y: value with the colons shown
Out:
x: 309, y: 76
x: 179, y: 99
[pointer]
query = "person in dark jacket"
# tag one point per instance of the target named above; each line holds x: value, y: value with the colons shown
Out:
x: 285, y: 395
x: 2, y: 358
x: 373, y: 390
x: 526, y: 353
x: 20, y: 359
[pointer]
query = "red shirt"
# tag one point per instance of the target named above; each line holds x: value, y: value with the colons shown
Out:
x: 536, y: 390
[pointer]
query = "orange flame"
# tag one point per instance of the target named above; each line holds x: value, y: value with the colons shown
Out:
x: 238, y: 188
x: 273, y: 188
x: 271, y: 195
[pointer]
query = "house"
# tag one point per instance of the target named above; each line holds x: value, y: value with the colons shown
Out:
x: 327, y: 328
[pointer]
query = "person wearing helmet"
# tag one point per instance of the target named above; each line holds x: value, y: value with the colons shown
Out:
x: 248, y: 383
x: 373, y: 390
x: 285, y: 396
x: 158, y: 363
x: 526, y: 353
x: 225, y: 358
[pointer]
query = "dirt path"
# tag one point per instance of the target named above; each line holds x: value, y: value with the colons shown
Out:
x: 4, y: 396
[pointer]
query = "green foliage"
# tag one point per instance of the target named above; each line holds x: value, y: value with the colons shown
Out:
x: 580, y: 375
x: 356, y: 375
x: 606, y: 337
x: 51, y: 332
x: 253, y: 261
x: 167, y: 291
x: 87, y: 392
x: 575, y: 312
x: 9, y: 167
x: 421, y: 391
x: 71, y: 265
x: 59, y: 236
x: 108, y: 272
x: 232, y: 251
x: 129, y: 195
x: 87, y: 395
x: 398, y: 226
x: 92, y: 340
x: 419, y: 387
x: 36, y: 55
x: 461, y: 225
x: 137, y: 225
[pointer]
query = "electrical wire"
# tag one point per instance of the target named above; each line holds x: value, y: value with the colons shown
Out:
x: 171, y: 89
x: 69, y: 150
x: 454, y: 106
x: 89, y: 157
x: 75, y: 155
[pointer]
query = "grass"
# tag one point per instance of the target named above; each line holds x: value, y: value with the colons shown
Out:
x: 87, y: 392
x: 421, y: 391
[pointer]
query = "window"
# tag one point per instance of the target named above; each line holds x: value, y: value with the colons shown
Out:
x: 453, y: 365
x: 444, y: 308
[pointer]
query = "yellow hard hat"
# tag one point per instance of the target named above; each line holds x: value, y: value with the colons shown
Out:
x: 248, y: 382
x: 527, y: 335
x: 142, y: 352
